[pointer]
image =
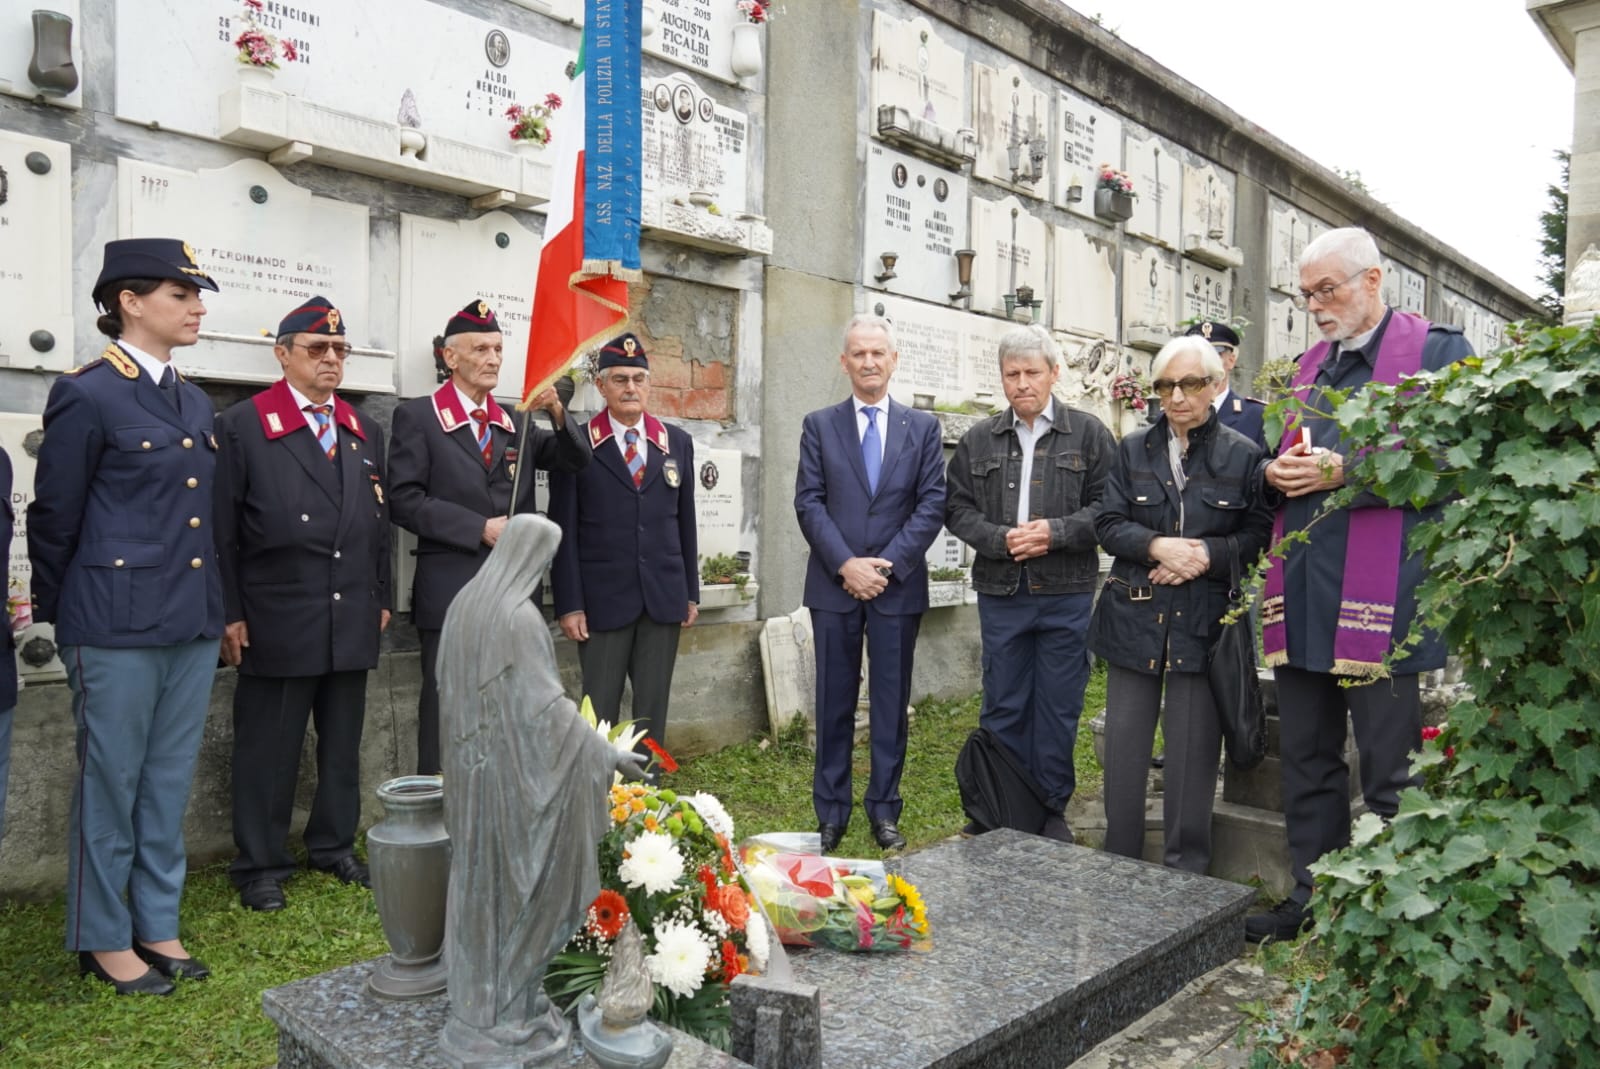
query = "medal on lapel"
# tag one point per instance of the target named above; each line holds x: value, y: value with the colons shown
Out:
x: 377, y: 488
x: 669, y: 472
x: 511, y: 460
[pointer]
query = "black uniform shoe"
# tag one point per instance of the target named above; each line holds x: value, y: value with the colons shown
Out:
x: 348, y: 870
x: 264, y: 895
x: 1055, y: 827
x: 172, y: 968
x: 887, y: 835
x: 151, y: 983
x: 831, y: 834
x: 1282, y: 922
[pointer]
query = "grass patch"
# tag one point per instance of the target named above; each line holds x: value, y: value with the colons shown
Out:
x: 50, y: 1018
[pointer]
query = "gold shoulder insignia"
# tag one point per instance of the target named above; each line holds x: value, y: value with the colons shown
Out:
x: 120, y: 360
x: 85, y: 367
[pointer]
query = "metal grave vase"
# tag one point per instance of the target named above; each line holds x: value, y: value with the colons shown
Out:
x: 408, y: 853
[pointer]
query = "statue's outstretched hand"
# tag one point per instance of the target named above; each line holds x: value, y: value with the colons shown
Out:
x: 631, y: 765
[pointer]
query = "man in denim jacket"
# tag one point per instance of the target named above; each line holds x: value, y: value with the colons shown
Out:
x: 1024, y: 488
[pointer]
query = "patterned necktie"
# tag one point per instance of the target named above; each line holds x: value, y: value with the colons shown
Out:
x: 485, y: 442
x: 872, y: 449
x: 632, y: 457
x: 326, y: 436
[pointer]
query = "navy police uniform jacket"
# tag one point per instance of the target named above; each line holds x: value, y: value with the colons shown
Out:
x: 1244, y: 414
x: 8, y: 659
x: 303, y: 542
x: 627, y: 552
x: 443, y: 493
x: 119, y: 531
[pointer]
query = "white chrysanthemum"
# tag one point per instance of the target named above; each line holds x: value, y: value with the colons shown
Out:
x: 681, y: 957
x: 653, y: 862
x: 712, y: 812
x: 755, y: 935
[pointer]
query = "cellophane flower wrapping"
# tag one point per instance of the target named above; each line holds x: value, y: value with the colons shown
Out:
x: 838, y: 903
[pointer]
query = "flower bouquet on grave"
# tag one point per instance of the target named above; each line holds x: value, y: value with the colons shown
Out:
x: 1115, y: 180
x: 257, y: 47
x: 666, y: 863
x: 756, y: 11
x: 532, y: 123
x: 1130, y: 389
x: 835, y: 903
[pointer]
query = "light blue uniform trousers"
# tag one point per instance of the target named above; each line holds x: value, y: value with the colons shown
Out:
x: 140, y: 715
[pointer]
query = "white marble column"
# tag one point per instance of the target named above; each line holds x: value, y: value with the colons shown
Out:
x: 1573, y: 28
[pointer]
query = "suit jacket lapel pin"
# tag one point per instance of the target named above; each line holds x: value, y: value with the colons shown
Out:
x: 669, y: 472
x: 511, y: 460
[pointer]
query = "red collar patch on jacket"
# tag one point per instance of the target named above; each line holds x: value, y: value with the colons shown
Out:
x: 279, y: 414
x: 654, y: 431
x: 447, y: 406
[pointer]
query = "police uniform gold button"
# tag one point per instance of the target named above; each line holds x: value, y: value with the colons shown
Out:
x: 191, y: 482
x: 119, y: 562
x: 336, y: 597
x: 188, y: 443
x: 144, y: 445
x: 195, y: 563
x: 336, y: 554
x: 304, y: 518
x: 194, y: 521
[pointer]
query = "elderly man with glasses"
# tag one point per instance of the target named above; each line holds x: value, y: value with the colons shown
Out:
x: 1335, y: 605
x: 1243, y: 414
x: 302, y: 534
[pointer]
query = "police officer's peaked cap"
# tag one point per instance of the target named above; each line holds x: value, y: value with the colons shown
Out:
x: 1215, y: 333
x: 625, y: 350
x: 476, y: 318
x: 316, y: 316
x: 150, y: 258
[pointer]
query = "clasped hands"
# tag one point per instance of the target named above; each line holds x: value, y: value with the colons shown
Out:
x: 1028, y: 540
x: 862, y: 579
x: 1178, y: 560
x: 1299, y: 471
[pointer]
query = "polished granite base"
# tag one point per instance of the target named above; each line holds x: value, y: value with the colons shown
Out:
x: 1040, y: 951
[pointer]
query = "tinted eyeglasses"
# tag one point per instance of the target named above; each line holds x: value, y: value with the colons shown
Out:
x: 1190, y: 386
x: 320, y: 349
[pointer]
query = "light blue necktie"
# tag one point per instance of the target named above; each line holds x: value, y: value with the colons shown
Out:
x: 327, y: 437
x: 632, y: 457
x: 872, y: 449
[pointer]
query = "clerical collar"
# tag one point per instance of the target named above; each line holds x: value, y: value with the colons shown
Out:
x: 1361, y: 341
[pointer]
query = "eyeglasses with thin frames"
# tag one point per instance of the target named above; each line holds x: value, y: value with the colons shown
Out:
x: 1190, y: 386
x: 320, y: 349
x: 1324, y: 294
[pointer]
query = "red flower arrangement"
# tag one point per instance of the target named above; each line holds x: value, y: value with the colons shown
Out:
x: 257, y: 47
x: 754, y: 10
x: 532, y: 123
x: 607, y: 914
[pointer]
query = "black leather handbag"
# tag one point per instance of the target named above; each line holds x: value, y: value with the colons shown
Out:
x: 1235, y: 687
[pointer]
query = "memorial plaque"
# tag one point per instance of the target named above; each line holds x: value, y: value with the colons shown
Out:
x: 1207, y: 293
x: 944, y: 352
x: 719, y: 500
x: 1391, y: 283
x: 16, y: 52
x: 36, y: 647
x: 1288, y: 234
x: 1482, y: 328
x: 1085, y: 290
x: 1090, y: 136
x: 913, y: 68
x: 35, y: 254
x: 1286, y: 329
x: 1149, y: 296
x: 1158, y: 180
x: 1010, y: 115
x: 1413, y: 292
x: 697, y: 34
x: 444, y: 264
x: 693, y: 144
x: 1088, y: 365
x: 917, y: 211
x: 1011, y: 245
x: 789, y: 663
x: 270, y: 245
x: 463, y: 72
x: 1207, y: 206
x: 947, y: 551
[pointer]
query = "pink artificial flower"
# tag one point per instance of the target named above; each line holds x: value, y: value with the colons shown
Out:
x: 514, y: 111
x: 552, y: 101
x: 290, y: 53
x: 254, y: 5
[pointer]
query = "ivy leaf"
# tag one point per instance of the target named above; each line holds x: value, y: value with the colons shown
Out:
x: 1550, y: 723
x: 1559, y: 915
x: 1479, y: 900
x: 1586, y: 982
x: 1462, y: 851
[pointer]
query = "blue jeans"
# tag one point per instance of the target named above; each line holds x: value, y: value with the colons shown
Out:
x: 1035, y: 666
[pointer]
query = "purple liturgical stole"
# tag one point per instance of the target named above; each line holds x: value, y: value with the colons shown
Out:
x: 1375, y: 546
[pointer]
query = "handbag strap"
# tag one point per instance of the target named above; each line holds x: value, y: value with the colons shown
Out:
x: 1235, y: 572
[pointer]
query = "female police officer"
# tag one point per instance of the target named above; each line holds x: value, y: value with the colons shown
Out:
x: 123, y: 565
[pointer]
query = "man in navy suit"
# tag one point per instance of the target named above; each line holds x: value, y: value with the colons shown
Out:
x: 1243, y: 414
x: 454, y: 459
x: 869, y: 496
x: 303, y: 544
x: 626, y: 578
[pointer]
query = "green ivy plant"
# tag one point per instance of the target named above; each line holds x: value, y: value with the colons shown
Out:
x: 1463, y: 933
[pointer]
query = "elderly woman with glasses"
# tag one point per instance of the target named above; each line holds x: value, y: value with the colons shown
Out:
x: 1181, y: 497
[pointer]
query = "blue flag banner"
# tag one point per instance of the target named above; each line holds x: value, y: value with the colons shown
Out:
x: 612, y: 135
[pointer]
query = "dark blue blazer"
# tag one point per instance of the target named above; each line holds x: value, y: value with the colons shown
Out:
x: 119, y: 529
x: 841, y: 519
x: 1244, y: 414
x: 8, y: 656
x: 627, y: 552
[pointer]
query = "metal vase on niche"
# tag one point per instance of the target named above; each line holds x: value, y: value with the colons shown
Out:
x: 51, y: 68
x: 409, y: 856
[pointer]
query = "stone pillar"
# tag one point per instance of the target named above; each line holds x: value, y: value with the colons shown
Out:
x: 1573, y: 28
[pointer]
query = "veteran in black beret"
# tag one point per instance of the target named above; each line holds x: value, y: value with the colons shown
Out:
x: 626, y: 578
x: 453, y: 459
x: 1243, y: 414
x: 303, y: 541
x: 120, y: 538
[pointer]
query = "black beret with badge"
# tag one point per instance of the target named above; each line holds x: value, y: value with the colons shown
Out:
x: 476, y: 318
x: 625, y: 350
x: 1215, y: 333
x: 130, y: 258
x: 316, y: 316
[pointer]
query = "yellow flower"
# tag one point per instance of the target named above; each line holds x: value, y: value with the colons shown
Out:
x: 619, y: 814
x: 650, y: 822
x: 913, y: 900
x: 637, y: 805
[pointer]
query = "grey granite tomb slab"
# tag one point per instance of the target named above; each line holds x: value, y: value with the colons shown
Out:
x: 332, y: 1021
x: 1040, y: 951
